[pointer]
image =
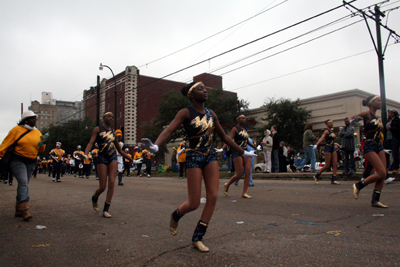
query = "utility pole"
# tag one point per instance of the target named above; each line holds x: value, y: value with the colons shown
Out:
x: 98, y: 101
x: 376, y: 16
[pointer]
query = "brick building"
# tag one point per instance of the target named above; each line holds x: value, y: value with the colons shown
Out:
x: 138, y: 98
x: 52, y: 111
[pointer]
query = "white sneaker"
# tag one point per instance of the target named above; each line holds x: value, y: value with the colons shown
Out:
x: 362, y: 179
x: 148, y: 175
x: 389, y: 180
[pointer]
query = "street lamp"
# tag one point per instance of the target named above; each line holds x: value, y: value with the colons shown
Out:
x: 115, y: 92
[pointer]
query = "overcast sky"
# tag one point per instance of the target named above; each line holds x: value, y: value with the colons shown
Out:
x: 57, y: 46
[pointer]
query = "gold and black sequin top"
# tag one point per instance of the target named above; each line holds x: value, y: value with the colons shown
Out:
x: 200, y: 131
x: 373, y: 129
x: 330, y: 138
x: 105, y: 140
x: 241, y: 137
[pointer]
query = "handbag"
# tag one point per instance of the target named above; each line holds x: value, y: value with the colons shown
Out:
x: 5, y: 160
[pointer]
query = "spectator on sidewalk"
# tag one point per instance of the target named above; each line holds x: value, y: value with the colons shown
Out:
x: 348, y: 146
x: 308, y: 143
x: 282, y: 157
x: 275, y: 149
x: 394, y: 129
x: 267, y: 144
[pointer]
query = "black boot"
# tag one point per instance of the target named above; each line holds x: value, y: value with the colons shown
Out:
x: 120, y: 178
x: 316, y: 177
x: 375, y: 200
x: 357, y: 188
x: 105, y: 210
x: 95, y: 204
x: 198, y: 234
x: 333, y: 180
x: 173, y: 224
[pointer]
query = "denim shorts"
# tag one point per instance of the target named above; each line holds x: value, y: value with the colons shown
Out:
x: 106, y: 159
x: 329, y: 148
x: 235, y: 154
x: 371, y: 146
x: 196, y: 160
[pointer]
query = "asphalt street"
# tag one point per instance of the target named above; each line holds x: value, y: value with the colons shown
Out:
x: 286, y: 223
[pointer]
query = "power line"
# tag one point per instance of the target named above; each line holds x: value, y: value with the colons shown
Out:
x: 294, y: 72
x: 290, y: 48
x: 198, y: 42
x: 282, y: 43
x: 226, y: 52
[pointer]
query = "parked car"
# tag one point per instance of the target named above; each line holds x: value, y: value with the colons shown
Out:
x: 259, y: 167
x: 307, y: 168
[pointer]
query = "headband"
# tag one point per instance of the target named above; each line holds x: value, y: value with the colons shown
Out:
x: 372, y: 99
x: 240, y: 117
x: 109, y: 112
x: 191, y: 88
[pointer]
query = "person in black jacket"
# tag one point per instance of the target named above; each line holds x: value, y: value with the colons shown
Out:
x: 394, y: 128
x: 275, y: 149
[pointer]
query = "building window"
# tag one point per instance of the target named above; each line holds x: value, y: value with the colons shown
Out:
x: 120, y: 114
x: 120, y: 100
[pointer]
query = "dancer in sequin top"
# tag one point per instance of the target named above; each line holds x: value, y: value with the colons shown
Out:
x: 240, y: 136
x: 373, y: 150
x: 107, y: 163
x: 200, y: 124
x: 330, y: 153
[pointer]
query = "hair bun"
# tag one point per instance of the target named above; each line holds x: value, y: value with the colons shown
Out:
x: 364, y: 103
x: 185, y: 89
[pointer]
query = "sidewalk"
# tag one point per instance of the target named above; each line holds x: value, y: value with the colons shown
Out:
x: 305, y: 176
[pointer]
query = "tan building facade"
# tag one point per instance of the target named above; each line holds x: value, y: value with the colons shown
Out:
x: 336, y: 106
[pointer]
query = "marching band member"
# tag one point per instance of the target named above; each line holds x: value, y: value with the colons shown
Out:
x: 120, y: 159
x: 94, y: 153
x: 373, y: 150
x: 147, y: 160
x: 138, y: 160
x: 50, y: 166
x: 241, y: 138
x: 87, y: 164
x: 57, y: 155
x: 78, y: 153
x: 107, y: 164
x: 200, y: 123
x: 127, y: 163
x: 331, y: 155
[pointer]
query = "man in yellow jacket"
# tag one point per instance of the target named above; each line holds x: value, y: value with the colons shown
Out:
x: 182, y: 159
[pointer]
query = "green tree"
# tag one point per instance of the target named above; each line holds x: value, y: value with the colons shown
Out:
x: 225, y: 105
x: 70, y: 134
x: 289, y: 118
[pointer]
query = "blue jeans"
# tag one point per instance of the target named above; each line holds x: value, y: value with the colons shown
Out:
x: 395, y: 152
x: 275, y: 160
x: 22, y: 173
x: 308, y: 154
x: 230, y: 163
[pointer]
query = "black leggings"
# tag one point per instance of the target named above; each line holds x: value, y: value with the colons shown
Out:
x: 182, y: 166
